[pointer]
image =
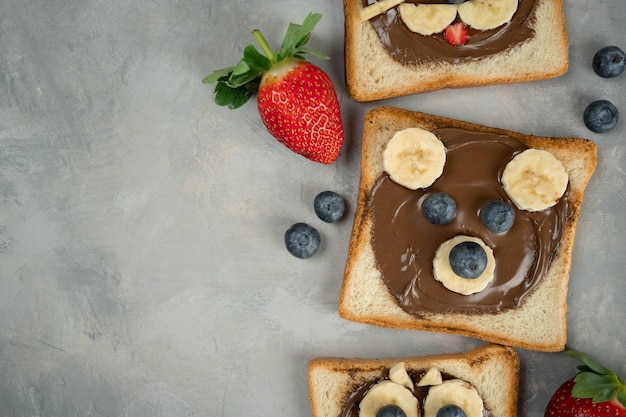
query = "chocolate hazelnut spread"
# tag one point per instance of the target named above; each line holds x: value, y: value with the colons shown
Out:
x: 351, y: 407
x: 405, y: 242
x: 409, y: 47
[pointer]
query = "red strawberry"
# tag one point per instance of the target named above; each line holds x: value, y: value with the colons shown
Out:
x: 456, y: 34
x: 594, y: 392
x: 297, y: 101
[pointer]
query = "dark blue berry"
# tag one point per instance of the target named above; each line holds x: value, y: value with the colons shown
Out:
x: 468, y: 260
x: 498, y: 216
x: 439, y: 208
x: 609, y: 62
x: 329, y: 206
x: 451, y: 410
x: 302, y: 240
x: 601, y: 116
x: 456, y: 1
x: 391, y: 410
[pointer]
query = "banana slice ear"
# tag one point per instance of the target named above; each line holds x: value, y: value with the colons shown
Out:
x: 455, y: 392
x: 487, y: 14
x: 388, y: 393
x: 427, y: 19
x: 534, y: 180
x: 414, y: 158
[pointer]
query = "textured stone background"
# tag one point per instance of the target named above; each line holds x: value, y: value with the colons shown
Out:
x: 141, y: 259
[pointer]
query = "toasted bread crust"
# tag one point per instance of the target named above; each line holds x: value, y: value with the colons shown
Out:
x: 372, y: 74
x: 492, y: 369
x: 538, y: 324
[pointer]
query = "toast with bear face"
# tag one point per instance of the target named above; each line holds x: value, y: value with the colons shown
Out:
x: 482, y: 247
x: 393, y: 48
x: 482, y: 382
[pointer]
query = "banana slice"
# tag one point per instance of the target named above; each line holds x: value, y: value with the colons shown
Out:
x: 535, y: 180
x: 414, y: 158
x: 487, y: 14
x: 444, y: 272
x: 399, y: 375
x: 377, y: 8
x: 427, y: 19
x: 431, y: 377
x: 456, y: 392
x: 385, y: 393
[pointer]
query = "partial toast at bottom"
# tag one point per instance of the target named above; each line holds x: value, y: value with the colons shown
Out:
x: 492, y: 369
x: 538, y: 324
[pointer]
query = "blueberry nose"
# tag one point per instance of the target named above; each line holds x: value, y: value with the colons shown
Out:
x: 468, y: 260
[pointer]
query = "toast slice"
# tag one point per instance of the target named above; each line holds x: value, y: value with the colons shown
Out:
x: 373, y: 74
x: 492, y: 369
x: 538, y: 323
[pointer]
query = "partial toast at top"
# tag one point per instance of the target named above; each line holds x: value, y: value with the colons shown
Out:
x: 539, y: 323
x: 492, y: 369
x: 373, y: 74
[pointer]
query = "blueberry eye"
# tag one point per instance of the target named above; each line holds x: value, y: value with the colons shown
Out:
x: 468, y: 260
x: 391, y: 410
x: 439, y: 208
x: 498, y: 216
x: 451, y: 410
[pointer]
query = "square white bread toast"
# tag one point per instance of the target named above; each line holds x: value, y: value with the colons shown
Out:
x: 537, y: 323
x: 372, y: 73
x: 493, y: 370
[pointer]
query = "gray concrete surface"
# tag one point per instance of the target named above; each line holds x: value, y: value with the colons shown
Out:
x: 142, y: 266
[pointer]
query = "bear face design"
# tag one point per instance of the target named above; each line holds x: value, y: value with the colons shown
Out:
x: 516, y: 245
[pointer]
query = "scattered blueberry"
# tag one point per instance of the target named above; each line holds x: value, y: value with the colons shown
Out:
x: 439, y: 208
x: 391, y: 410
x: 302, y: 240
x: 609, y: 62
x: 456, y: 1
x: 468, y: 260
x: 451, y: 410
x: 498, y: 216
x: 329, y: 206
x: 601, y: 116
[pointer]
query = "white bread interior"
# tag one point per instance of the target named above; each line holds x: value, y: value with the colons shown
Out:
x: 372, y: 74
x: 538, y: 324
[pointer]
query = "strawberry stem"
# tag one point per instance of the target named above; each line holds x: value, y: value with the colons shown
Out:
x: 265, y: 47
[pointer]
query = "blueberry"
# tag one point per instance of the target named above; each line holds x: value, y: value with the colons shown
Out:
x: 609, y: 62
x: 451, y: 410
x: 302, y: 240
x: 329, y: 206
x: 439, y: 208
x: 468, y: 260
x: 391, y: 410
x: 456, y: 1
x: 601, y: 116
x: 498, y: 216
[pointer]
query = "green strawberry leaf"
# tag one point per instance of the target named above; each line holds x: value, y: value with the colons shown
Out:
x: 231, y: 97
x: 235, y: 85
x: 255, y: 59
x: 597, y: 382
x: 217, y: 75
x: 313, y: 52
x: 298, y: 35
x: 307, y: 27
x: 599, y: 388
x: 291, y: 37
x: 621, y: 395
x: 586, y: 359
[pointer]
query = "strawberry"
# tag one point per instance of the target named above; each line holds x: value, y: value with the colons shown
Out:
x: 297, y: 101
x: 594, y: 392
x: 456, y: 34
